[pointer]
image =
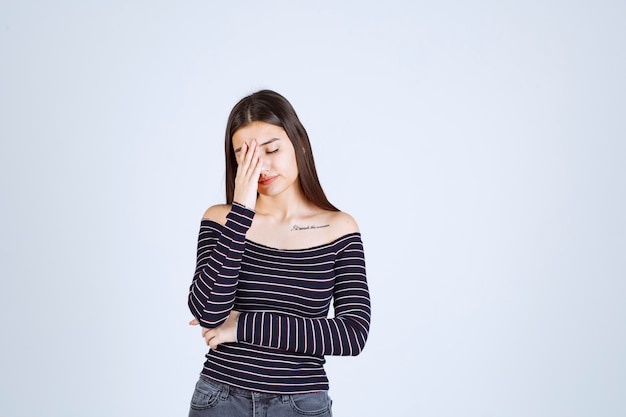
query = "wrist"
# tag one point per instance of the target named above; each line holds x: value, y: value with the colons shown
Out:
x: 242, y: 209
x: 249, y: 204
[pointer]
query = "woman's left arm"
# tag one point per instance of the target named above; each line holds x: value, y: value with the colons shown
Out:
x: 345, y: 334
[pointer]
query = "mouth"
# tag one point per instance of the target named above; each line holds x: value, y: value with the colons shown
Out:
x: 267, y: 180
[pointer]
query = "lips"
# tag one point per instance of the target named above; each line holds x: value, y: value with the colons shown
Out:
x: 267, y: 180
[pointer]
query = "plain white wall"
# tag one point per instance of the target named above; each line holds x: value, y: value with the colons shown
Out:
x: 480, y: 145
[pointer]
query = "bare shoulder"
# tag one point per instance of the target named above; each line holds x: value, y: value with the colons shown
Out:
x: 217, y: 213
x: 343, y: 223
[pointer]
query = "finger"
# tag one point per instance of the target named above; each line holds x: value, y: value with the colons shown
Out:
x: 211, y: 340
x: 194, y: 322
x: 245, y: 159
x: 257, y: 168
x: 256, y: 165
x: 246, y: 152
x: 214, y: 343
x: 251, y: 156
x: 242, y: 154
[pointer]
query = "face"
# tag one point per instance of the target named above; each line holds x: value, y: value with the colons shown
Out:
x: 280, y: 170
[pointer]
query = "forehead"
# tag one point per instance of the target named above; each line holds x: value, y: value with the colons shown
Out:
x: 260, y: 131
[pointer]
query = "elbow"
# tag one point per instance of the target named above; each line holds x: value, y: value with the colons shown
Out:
x: 207, y: 318
x: 360, y: 343
x: 210, y: 320
x: 360, y: 332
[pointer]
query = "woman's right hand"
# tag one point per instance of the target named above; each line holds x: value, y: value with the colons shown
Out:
x: 249, y: 166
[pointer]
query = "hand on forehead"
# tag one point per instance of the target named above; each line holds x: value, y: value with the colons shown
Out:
x: 260, y: 132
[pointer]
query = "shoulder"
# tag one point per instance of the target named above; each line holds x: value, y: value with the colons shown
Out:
x: 217, y: 213
x: 343, y: 223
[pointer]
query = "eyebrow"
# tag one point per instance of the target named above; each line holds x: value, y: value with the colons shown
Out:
x: 267, y: 142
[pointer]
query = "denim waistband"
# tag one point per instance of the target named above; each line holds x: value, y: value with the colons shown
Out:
x: 227, y: 389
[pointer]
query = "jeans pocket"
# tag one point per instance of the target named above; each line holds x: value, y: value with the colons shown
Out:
x: 311, y: 404
x: 205, y: 395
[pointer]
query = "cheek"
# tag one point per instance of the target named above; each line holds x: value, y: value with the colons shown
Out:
x: 285, y: 159
x: 293, y: 164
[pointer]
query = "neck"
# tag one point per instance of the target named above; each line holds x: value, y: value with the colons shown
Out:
x: 286, y: 206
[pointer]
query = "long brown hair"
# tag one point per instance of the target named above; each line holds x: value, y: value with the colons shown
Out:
x: 270, y: 107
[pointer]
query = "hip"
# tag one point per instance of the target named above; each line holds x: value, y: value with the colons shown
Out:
x: 212, y: 398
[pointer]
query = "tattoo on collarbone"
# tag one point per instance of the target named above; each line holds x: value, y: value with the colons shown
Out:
x: 295, y: 227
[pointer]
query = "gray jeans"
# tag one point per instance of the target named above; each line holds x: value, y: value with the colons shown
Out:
x: 212, y: 399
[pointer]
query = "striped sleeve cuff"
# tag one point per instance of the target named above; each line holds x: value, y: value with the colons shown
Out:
x: 240, y: 217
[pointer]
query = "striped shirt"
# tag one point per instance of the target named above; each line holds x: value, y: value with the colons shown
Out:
x: 284, y: 296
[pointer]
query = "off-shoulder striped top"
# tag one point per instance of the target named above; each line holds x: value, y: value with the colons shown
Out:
x: 284, y: 296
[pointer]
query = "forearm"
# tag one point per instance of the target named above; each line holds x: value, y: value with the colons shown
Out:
x: 214, y: 286
x: 343, y: 336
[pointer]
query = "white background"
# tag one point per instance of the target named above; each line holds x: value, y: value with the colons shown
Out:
x: 481, y: 146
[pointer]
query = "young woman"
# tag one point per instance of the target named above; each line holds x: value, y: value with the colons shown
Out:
x: 269, y: 264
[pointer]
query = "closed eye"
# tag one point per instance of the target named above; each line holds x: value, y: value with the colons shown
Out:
x: 237, y: 150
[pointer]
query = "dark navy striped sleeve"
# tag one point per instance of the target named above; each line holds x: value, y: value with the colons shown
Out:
x: 220, y: 250
x: 344, y: 334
